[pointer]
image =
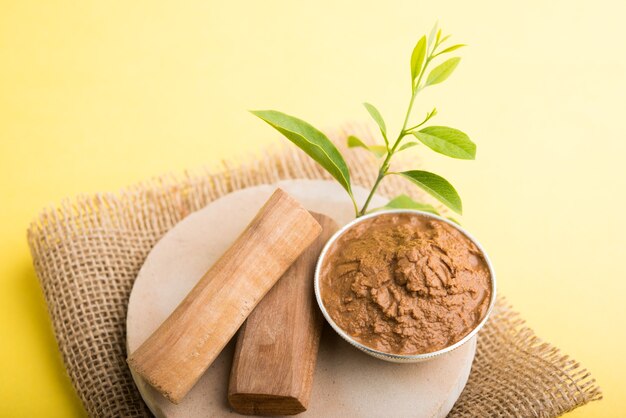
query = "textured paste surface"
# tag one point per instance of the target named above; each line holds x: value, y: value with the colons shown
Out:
x: 406, y: 283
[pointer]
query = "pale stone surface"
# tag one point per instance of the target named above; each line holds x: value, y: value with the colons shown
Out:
x: 347, y: 381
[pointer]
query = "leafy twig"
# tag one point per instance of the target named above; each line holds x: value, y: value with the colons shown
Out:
x: 442, y: 139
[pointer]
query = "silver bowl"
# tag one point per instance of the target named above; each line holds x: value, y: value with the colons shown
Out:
x: 400, y: 358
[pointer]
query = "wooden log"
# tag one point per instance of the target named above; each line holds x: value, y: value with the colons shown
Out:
x: 174, y: 357
x: 276, y: 352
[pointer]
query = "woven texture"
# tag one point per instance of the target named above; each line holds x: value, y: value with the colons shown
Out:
x: 88, y: 252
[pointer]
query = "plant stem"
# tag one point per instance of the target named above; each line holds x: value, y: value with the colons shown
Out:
x: 428, y: 117
x: 385, y: 165
x: 382, y: 172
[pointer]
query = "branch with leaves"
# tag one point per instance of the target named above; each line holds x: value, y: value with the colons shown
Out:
x: 442, y: 139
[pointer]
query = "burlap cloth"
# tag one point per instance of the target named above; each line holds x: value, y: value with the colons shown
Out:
x: 88, y: 252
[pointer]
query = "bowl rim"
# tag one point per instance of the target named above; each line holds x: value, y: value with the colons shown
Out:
x: 393, y: 356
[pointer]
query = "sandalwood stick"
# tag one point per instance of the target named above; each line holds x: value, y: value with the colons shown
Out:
x: 276, y: 352
x: 174, y: 357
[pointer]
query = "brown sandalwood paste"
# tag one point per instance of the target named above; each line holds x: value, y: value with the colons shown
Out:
x: 405, y: 283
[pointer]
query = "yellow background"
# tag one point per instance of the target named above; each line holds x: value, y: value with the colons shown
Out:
x: 96, y: 95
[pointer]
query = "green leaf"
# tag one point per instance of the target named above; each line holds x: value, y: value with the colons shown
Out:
x: 436, y: 186
x: 417, y: 57
x: 451, y: 48
x: 441, y: 72
x: 310, y: 140
x: 405, y: 202
x: 433, y: 34
x: 407, y: 145
x: 375, y: 114
x: 377, y: 150
x: 451, y: 219
x: 447, y: 141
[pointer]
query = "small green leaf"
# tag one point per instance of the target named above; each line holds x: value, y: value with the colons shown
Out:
x: 451, y: 219
x: 375, y: 114
x: 405, y: 202
x: 433, y: 34
x: 441, y: 72
x: 354, y: 142
x: 417, y: 58
x: 310, y: 140
x: 407, y: 145
x: 451, y: 48
x: 377, y: 150
x: 437, y: 186
x: 447, y: 141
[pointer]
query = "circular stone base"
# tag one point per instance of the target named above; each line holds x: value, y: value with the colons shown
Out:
x: 347, y: 382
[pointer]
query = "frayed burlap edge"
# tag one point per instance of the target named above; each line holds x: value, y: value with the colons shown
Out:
x: 88, y: 251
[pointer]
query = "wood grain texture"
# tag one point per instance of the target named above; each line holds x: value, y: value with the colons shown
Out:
x: 174, y: 357
x: 276, y: 351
